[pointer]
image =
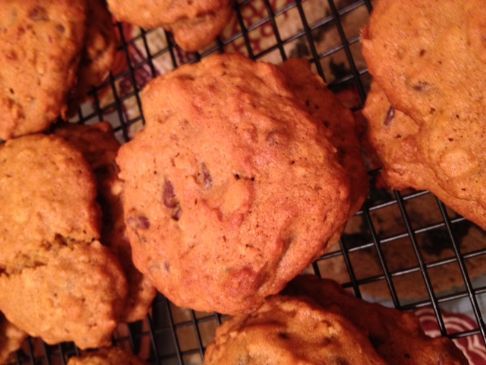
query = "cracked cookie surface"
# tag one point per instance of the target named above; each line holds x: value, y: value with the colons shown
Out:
x: 290, y: 331
x: 56, y: 281
x: 195, y: 24
x: 99, y: 146
x: 40, y: 45
x: 227, y: 196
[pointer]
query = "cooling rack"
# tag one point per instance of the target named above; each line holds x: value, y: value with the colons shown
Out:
x: 405, y: 250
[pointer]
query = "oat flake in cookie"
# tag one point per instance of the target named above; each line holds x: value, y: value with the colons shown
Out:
x: 195, y: 24
x: 40, y: 43
x: 57, y: 281
x: 232, y: 189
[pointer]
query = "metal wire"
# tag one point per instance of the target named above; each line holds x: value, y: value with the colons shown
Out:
x: 162, y: 329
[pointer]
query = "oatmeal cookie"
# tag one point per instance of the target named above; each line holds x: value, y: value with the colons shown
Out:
x: 325, y: 107
x: 289, y: 331
x: 56, y: 281
x: 195, y: 24
x: 40, y: 44
x: 11, y: 339
x: 106, y: 356
x: 99, y: 147
x: 232, y: 189
x: 430, y: 65
x: 397, y: 140
x: 396, y: 335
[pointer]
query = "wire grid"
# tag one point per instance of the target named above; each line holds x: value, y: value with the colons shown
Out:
x: 171, y: 335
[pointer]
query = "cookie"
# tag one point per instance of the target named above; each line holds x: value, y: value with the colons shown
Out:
x: 39, y: 52
x: 397, y: 140
x: 195, y: 24
x: 106, y: 356
x: 430, y: 65
x: 56, y: 280
x: 396, y: 335
x: 222, y: 176
x: 288, y: 331
x: 98, y: 53
x: 11, y: 339
x: 325, y: 107
x: 99, y: 147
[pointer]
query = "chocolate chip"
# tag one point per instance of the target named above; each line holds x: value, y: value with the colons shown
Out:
x: 168, y: 196
x: 421, y: 86
x: 204, y: 177
x: 38, y: 13
x: 389, y: 116
x: 167, y: 266
x: 283, y: 335
x: 422, y: 52
x: 170, y: 201
x: 138, y: 222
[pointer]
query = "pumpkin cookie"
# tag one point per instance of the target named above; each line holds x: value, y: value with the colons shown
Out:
x: 397, y: 140
x: 57, y: 282
x: 223, y: 177
x: 40, y: 44
x: 288, y: 331
x: 430, y: 65
x: 396, y: 335
x: 195, y: 24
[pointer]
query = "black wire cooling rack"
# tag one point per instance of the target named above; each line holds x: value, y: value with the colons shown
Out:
x: 405, y: 250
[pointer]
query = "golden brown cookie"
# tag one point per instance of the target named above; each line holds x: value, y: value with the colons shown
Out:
x: 195, y: 24
x: 325, y: 107
x: 289, y: 331
x: 397, y: 140
x: 99, y: 146
x: 40, y: 45
x: 227, y: 197
x: 106, y: 356
x: 430, y: 65
x: 56, y: 281
x: 11, y: 339
x: 99, y: 50
x: 396, y: 335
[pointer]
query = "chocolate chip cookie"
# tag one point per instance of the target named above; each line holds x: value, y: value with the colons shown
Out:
x: 99, y: 147
x: 40, y: 44
x: 430, y: 65
x: 288, y: 331
x: 195, y: 24
x: 396, y: 335
x: 106, y: 356
x: 232, y: 188
x: 56, y: 280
